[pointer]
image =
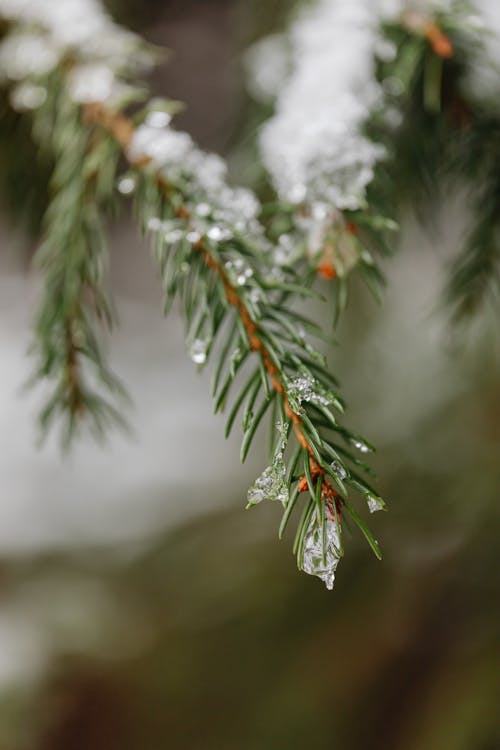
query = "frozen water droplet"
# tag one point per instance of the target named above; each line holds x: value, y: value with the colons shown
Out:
x: 298, y: 193
x: 154, y: 224
x: 175, y: 235
x: 91, y: 83
x: 27, y: 96
x: 306, y: 388
x: 339, y: 470
x: 283, y: 253
x: 301, y: 388
x: 161, y: 146
x: 319, y: 561
x: 272, y: 484
x: 320, y: 211
x: 198, y: 351
x: 361, y: 445
x: 254, y: 296
x: 261, y: 488
x: 374, y: 503
x: 193, y: 237
x: 239, y: 271
x: 203, y: 209
x: 126, y: 185
x: 215, y: 233
x: 158, y: 119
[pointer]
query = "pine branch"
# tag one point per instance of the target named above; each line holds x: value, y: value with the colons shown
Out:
x: 73, y: 261
x: 225, y: 277
x: 213, y: 256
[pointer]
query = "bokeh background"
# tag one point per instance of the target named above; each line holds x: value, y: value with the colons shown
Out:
x: 142, y: 608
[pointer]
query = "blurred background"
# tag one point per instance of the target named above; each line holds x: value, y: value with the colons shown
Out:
x: 142, y: 607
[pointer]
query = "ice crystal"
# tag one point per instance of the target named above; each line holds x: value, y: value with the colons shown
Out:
x: 215, y: 233
x: 91, y: 83
x: 203, y: 209
x: 126, y: 185
x: 193, y: 237
x: 319, y: 560
x: 154, y: 224
x: 308, y: 389
x: 239, y: 271
x: 163, y: 146
x: 173, y: 236
x: 361, y: 445
x: 284, y: 252
x: 374, y: 503
x: 27, y: 96
x: 339, y: 470
x: 198, y: 351
x: 272, y: 484
x: 157, y: 119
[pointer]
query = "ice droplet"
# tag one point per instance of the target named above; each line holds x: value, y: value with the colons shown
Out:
x: 255, y: 296
x: 215, y: 233
x: 306, y: 388
x: 318, y: 561
x: 239, y: 271
x: 91, y: 83
x: 374, y: 503
x: 320, y: 211
x: 126, y: 185
x: 175, y: 235
x: 28, y: 96
x: 298, y: 193
x: 193, y: 237
x: 339, y: 470
x: 154, y: 224
x: 283, y: 253
x: 203, y: 209
x: 272, y: 484
x: 198, y: 351
x: 361, y: 445
x: 158, y: 119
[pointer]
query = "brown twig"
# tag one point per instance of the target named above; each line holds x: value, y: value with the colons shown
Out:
x: 420, y: 23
